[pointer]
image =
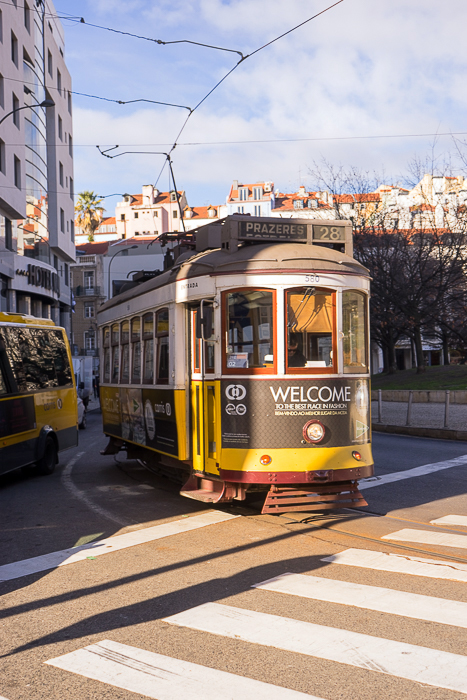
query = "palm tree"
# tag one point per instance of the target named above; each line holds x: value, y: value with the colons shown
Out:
x: 89, y: 213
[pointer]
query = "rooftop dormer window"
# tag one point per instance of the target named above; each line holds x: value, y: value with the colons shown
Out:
x: 243, y: 194
x: 298, y: 204
x: 257, y: 192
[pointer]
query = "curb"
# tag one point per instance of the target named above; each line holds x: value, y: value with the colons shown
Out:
x: 439, y: 433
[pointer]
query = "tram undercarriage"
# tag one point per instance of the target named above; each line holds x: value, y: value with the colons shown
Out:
x: 300, y: 491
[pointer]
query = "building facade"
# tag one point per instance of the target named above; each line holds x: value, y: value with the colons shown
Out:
x: 150, y: 213
x: 36, y: 163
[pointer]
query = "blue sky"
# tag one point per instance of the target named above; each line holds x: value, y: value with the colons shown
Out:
x: 364, y: 68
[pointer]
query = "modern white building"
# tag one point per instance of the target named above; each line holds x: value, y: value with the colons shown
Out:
x: 36, y: 163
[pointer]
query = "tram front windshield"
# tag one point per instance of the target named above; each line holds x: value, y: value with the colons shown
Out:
x: 309, y: 328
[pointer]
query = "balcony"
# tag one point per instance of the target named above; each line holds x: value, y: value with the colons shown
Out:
x: 81, y: 291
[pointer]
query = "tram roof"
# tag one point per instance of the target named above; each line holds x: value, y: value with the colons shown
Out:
x: 261, y: 258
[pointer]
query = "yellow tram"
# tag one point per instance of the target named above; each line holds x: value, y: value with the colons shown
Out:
x: 246, y: 364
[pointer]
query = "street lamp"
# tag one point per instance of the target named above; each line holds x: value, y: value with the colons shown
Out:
x: 44, y: 103
x: 124, y: 250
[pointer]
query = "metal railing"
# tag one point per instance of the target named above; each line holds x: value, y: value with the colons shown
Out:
x: 81, y: 291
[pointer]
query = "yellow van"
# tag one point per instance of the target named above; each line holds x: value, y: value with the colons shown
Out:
x: 38, y: 400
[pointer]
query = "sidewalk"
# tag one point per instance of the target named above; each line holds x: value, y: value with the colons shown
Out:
x: 93, y: 405
x: 427, y: 419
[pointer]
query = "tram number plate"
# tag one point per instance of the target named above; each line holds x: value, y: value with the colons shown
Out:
x: 328, y: 233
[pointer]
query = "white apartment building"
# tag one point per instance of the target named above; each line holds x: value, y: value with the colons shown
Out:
x: 256, y: 199
x: 36, y: 163
x: 150, y: 213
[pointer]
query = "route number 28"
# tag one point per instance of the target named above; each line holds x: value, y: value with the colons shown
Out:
x: 330, y: 233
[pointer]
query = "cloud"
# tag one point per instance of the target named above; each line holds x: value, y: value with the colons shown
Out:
x: 362, y: 69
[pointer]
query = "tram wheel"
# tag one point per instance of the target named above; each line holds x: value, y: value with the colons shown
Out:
x: 46, y: 464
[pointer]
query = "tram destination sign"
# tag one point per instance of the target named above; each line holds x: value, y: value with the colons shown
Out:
x: 272, y: 231
x: 288, y: 230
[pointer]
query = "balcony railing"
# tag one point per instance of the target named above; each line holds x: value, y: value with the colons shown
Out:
x: 81, y: 291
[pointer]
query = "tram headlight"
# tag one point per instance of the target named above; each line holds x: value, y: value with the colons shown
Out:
x: 314, y: 431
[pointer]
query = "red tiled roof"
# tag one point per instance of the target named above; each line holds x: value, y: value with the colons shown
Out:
x: 108, y: 221
x: 359, y: 198
x: 200, y: 212
x: 93, y: 248
x: 234, y: 193
x: 422, y: 207
x: 285, y: 202
x: 162, y: 198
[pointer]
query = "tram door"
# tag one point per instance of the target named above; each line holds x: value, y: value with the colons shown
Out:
x: 204, y: 391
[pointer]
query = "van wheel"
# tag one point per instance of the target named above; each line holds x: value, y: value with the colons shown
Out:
x: 46, y: 464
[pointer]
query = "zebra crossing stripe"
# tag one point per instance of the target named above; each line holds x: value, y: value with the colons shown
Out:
x: 410, y: 473
x: 443, y: 539
x: 110, y: 544
x: 386, y: 600
x: 401, y: 564
x: 165, y: 678
x: 451, y: 520
x: 420, y: 664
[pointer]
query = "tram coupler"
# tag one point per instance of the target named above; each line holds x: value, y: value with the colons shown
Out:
x: 331, y: 496
x: 200, y: 488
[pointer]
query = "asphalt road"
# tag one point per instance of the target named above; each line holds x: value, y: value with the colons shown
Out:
x: 351, y: 644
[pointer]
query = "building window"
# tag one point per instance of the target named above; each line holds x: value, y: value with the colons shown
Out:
x: 173, y: 196
x: 175, y: 214
x: 90, y: 340
x: 59, y: 82
x: 122, y: 217
x: 89, y: 310
x: 70, y: 145
x: 243, y: 194
x: 89, y: 279
x: 67, y: 275
x: 72, y: 229
x: 240, y: 210
x: 49, y: 63
x: 136, y: 215
x: 69, y: 101
x: 2, y: 91
x: 60, y: 129
x: 27, y: 17
x: 15, y: 105
x: 2, y: 157
x: 17, y: 171
x: 257, y: 192
x: 14, y: 49
x: 298, y: 204
x: 72, y: 188
x: 257, y: 210
x: 1, y: 27
x: 62, y: 221
x: 156, y: 214
x: 60, y: 173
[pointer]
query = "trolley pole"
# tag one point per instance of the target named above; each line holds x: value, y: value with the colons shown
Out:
x: 380, y: 406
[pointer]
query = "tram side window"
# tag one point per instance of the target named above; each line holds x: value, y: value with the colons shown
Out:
x: 106, y: 346
x: 148, y: 349
x: 115, y: 352
x: 250, y: 329
x: 136, y: 350
x: 38, y: 358
x: 310, y: 329
x: 125, y: 341
x: 354, y: 328
x: 162, y: 335
x: 3, y: 389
